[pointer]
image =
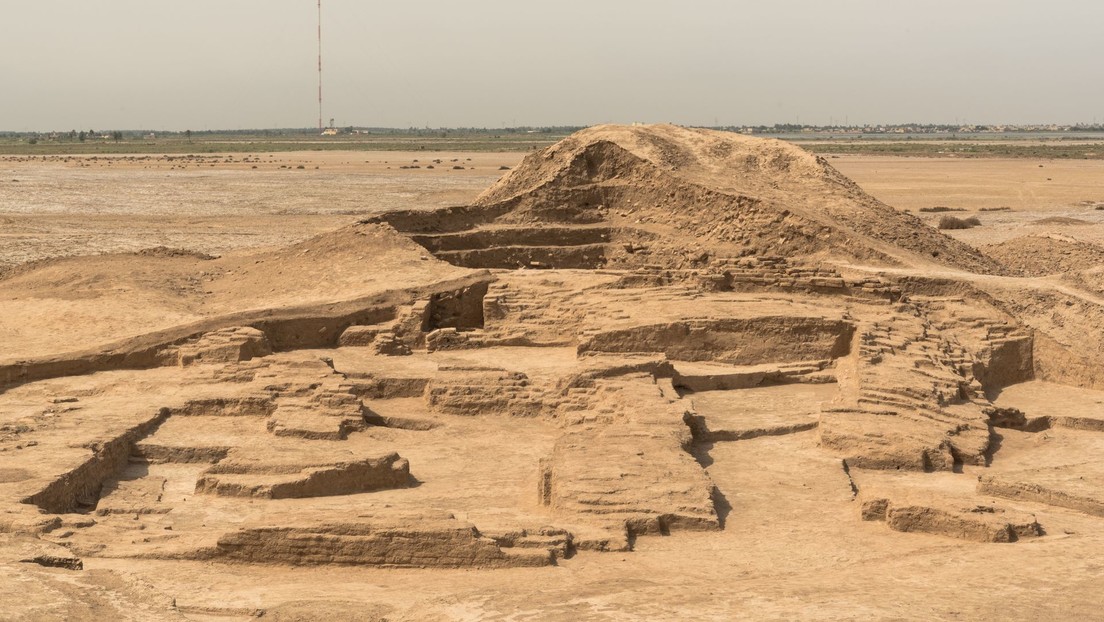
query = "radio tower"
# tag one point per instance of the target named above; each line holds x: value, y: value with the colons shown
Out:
x: 319, y: 66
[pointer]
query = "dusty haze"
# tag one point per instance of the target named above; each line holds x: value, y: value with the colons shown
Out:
x: 251, y: 63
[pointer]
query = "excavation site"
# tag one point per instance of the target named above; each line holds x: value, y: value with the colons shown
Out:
x: 652, y: 372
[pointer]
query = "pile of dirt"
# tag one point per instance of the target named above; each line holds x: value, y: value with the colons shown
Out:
x: 1060, y: 220
x: 356, y: 427
x: 56, y: 303
x: 165, y: 251
x: 1042, y: 255
x: 733, y: 194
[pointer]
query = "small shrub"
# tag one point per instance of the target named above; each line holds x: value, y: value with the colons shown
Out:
x: 939, y: 209
x: 950, y: 222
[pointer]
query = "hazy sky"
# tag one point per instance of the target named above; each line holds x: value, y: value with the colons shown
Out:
x: 214, y: 64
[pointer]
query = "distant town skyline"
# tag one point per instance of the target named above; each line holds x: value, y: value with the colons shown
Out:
x: 251, y: 64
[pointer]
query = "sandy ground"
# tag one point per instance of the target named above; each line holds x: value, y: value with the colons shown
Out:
x: 1069, y: 190
x: 58, y: 206
x: 73, y: 205
x: 832, y: 567
x: 913, y: 183
x: 570, y: 432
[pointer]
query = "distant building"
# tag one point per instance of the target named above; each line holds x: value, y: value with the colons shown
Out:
x: 329, y: 131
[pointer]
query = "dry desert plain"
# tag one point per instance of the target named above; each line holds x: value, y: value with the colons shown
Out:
x: 646, y: 373
x: 70, y: 205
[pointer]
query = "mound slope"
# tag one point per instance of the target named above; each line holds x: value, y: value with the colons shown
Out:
x: 704, y: 194
x: 350, y: 422
x: 70, y: 304
x: 1042, y: 255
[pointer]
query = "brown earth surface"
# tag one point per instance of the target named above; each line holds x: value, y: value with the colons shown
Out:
x: 650, y: 373
x: 1033, y: 190
x: 78, y: 205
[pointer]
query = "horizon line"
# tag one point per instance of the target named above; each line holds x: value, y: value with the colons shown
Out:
x: 980, y: 127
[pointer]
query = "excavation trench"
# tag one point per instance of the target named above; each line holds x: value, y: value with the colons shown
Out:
x: 584, y: 248
x: 456, y: 304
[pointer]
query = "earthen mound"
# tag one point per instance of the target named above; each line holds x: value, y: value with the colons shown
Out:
x: 687, y: 196
x: 348, y: 428
x: 59, y: 305
x: 165, y: 251
x: 1042, y: 255
x: 1060, y: 220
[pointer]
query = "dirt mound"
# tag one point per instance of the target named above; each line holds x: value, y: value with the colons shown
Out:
x: 165, y: 251
x: 735, y: 195
x: 1060, y: 220
x: 64, y: 304
x: 161, y: 252
x: 350, y: 428
x: 1042, y: 255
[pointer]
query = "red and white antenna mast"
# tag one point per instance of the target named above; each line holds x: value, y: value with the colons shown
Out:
x: 319, y: 66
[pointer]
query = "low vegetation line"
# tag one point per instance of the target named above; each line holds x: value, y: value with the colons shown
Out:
x: 1091, y: 151
x: 121, y: 143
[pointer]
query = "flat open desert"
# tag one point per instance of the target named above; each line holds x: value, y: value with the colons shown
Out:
x: 645, y: 373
